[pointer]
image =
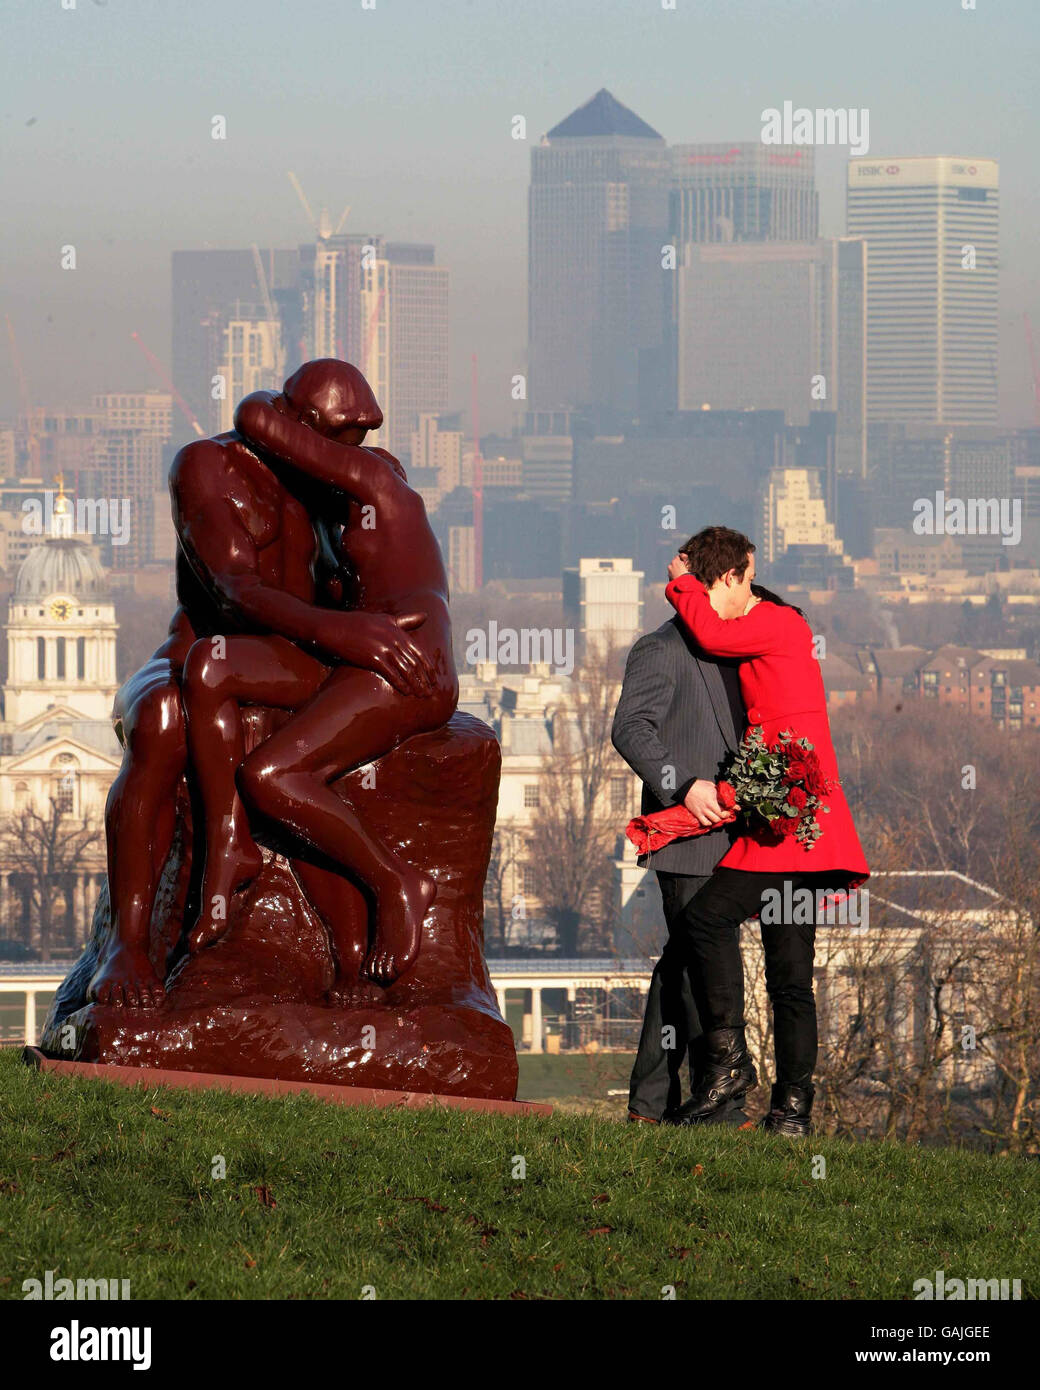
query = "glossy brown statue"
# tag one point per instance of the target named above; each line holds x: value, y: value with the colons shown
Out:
x: 300, y: 831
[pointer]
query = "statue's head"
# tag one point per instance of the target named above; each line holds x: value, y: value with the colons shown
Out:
x: 334, y: 399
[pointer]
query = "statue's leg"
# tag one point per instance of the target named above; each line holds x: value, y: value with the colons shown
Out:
x: 139, y: 826
x: 344, y: 912
x: 219, y: 675
x: 353, y: 719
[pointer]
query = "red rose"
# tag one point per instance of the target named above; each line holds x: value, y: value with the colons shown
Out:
x: 796, y: 798
x: 797, y: 771
x: 727, y: 796
x: 815, y: 781
x: 784, y: 826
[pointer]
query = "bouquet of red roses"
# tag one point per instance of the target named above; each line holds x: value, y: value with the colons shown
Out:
x: 779, y: 788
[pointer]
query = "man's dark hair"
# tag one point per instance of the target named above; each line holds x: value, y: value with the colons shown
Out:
x: 715, y: 551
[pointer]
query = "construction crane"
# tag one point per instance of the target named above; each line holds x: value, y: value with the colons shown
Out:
x: 32, y: 443
x: 160, y: 371
x: 261, y: 280
x: 321, y: 226
x: 272, y: 314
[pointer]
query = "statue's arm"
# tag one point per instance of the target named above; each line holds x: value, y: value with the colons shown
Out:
x: 361, y: 473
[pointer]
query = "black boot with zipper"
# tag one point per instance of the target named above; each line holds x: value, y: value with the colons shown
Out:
x: 729, y: 1074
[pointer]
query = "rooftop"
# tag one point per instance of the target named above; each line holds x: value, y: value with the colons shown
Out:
x: 603, y: 115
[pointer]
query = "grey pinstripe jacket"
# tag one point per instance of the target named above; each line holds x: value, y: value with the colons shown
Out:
x: 673, y: 724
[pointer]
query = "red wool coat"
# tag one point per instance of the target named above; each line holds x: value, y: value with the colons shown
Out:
x: 783, y: 689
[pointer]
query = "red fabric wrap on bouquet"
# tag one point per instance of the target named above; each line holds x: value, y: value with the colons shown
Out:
x: 660, y: 828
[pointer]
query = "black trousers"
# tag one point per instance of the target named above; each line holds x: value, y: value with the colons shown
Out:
x: 708, y: 939
x: 672, y: 1038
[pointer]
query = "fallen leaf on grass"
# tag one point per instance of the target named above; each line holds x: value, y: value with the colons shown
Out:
x: 160, y: 1114
x: 603, y: 1197
x: 430, y: 1206
x: 600, y: 1231
x: 265, y: 1196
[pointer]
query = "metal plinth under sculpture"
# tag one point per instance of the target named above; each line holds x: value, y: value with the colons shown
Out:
x: 300, y: 830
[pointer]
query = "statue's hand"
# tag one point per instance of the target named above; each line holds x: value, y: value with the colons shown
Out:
x: 379, y: 642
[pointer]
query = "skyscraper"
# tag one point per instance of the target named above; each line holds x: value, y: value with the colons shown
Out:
x: 597, y: 221
x: 743, y: 191
x: 331, y: 280
x: 205, y: 287
x: 253, y: 358
x: 775, y: 325
x: 931, y: 227
x: 405, y: 356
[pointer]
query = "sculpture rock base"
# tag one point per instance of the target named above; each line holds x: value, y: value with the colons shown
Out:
x: 261, y: 1001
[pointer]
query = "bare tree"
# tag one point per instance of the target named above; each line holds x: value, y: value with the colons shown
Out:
x: 574, y: 832
x: 507, y: 851
x: 46, y: 851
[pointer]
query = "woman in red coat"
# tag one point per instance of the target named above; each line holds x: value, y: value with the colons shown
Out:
x: 711, y: 591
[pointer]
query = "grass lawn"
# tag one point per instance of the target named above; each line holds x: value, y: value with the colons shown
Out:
x: 98, y: 1181
x: 578, y: 1081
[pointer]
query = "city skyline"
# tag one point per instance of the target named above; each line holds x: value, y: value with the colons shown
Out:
x: 129, y: 172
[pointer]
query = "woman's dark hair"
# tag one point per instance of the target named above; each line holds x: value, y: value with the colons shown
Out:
x: 715, y: 551
x: 760, y: 591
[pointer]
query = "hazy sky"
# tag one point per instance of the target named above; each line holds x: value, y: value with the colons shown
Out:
x: 403, y: 111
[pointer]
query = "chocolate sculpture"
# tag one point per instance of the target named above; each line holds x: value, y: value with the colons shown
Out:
x: 300, y: 830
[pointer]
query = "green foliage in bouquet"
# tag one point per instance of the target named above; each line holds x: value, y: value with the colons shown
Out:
x: 781, y: 786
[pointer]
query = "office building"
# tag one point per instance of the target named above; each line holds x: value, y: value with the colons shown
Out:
x: 931, y: 227
x: 597, y: 291
x: 253, y: 359
x: 775, y: 326
x: 205, y: 287
x: 743, y: 191
x: 604, y: 599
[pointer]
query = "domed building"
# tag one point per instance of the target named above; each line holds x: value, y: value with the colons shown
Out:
x: 57, y: 745
x: 61, y: 634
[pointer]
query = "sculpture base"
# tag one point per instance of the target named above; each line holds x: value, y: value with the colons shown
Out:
x: 434, y: 1047
x: 267, y: 1086
x: 267, y: 1000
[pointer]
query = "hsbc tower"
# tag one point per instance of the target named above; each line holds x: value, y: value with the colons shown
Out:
x: 931, y: 228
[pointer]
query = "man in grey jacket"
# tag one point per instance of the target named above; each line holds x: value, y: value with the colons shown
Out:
x: 679, y: 713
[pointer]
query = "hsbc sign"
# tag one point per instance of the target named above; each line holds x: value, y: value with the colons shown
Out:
x: 923, y: 172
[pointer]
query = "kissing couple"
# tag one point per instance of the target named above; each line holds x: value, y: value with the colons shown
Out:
x: 734, y: 656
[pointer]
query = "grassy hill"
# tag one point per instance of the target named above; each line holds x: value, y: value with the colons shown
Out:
x: 97, y: 1181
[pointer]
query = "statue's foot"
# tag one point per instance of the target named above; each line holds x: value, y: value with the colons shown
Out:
x: 127, y: 978
x: 231, y: 864
x: 399, y: 919
x: 359, y: 994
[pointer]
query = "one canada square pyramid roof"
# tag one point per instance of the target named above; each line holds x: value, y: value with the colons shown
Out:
x: 603, y: 115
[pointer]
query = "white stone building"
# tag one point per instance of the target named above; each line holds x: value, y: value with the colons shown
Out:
x: 56, y: 737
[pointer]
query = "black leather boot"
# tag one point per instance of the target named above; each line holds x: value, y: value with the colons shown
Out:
x: 790, y: 1110
x: 729, y: 1074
